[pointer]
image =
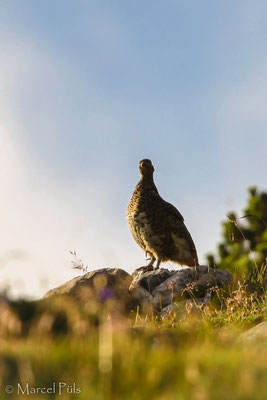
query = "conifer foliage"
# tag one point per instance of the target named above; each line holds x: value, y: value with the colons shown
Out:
x: 244, y: 245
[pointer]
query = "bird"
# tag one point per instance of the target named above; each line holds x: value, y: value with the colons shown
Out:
x: 156, y: 225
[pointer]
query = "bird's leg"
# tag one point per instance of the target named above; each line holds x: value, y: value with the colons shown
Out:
x: 152, y: 260
x: 195, y: 268
x: 149, y: 266
x: 158, y: 262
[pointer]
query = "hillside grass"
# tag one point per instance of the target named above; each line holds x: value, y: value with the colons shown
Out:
x: 195, y: 353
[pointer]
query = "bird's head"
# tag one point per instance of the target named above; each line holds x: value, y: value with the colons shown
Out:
x: 146, y: 168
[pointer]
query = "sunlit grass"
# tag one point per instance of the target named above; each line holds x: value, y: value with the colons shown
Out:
x: 194, y: 353
x: 165, y: 365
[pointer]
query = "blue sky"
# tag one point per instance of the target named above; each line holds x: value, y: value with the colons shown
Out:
x: 87, y: 89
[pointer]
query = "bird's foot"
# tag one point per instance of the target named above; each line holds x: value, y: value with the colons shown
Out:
x: 149, y: 268
x: 145, y: 268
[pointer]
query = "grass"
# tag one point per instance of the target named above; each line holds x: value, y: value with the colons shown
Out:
x: 194, y: 353
x: 141, y: 365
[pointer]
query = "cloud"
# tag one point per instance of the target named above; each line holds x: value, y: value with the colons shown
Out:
x: 81, y: 103
x: 41, y: 222
x: 44, y: 216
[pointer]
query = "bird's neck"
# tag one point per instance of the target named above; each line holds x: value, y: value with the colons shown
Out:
x: 147, y: 182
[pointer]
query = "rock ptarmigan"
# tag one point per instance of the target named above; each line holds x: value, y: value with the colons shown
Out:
x: 156, y: 225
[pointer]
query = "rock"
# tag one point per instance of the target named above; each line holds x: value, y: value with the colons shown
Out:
x: 257, y: 333
x: 149, y: 280
x: 166, y: 286
x: 157, y: 288
x: 142, y: 295
x: 98, y: 279
x: 102, y: 285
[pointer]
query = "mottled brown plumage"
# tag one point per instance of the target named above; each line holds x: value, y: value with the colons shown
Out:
x: 156, y: 225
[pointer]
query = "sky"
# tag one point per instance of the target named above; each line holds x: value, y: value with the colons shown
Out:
x: 87, y: 89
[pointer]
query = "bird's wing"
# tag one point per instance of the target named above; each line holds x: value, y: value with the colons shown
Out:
x: 172, y: 211
x: 178, y: 228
